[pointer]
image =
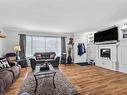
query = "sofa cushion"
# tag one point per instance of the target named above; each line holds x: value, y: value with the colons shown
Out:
x: 38, y: 56
x: 15, y: 70
x: 6, y: 79
x: 45, y: 56
x: 2, y: 85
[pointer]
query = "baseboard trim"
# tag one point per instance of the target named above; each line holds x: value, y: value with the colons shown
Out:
x: 81, y: 62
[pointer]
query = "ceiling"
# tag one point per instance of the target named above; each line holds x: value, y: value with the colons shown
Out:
x: 61, y: 15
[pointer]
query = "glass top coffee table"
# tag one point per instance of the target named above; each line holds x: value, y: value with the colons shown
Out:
x: 43, y: 74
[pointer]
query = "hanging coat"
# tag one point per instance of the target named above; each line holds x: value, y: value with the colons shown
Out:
x: 79, y: 49
x: 83, y: 48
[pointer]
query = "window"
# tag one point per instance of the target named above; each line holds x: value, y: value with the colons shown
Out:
x: 53, y: 44
x: 42, y: 44
x: 38, y: 44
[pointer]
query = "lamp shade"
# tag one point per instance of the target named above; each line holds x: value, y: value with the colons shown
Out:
x: 17, y: 48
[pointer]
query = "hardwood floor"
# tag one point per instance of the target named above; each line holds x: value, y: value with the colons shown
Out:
x: 92, y: 80
x: 89, y: 80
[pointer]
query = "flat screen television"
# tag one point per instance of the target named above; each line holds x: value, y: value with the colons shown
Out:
x: 106, y: 35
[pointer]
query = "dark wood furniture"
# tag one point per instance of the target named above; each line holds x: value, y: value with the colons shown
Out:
x: 23, y: 63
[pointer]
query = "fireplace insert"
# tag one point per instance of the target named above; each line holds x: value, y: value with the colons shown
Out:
x: 105, y: 53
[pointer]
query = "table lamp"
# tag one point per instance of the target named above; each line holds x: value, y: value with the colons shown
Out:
x: 17, y: 49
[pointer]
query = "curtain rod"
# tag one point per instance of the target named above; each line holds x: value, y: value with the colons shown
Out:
x: 44, y: 35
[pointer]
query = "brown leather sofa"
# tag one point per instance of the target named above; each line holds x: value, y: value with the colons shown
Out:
x: 8, y: 76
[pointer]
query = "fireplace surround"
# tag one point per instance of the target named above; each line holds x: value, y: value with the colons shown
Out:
x: 105, y: 53
x: 106, y: 56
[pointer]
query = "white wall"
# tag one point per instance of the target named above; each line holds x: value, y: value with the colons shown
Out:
x: 11, y: 40
x: 2, y: 40
x: 122, y: 50
x: 91, y: 52
x: 80, y: 38
x: 1, y: 46
x: 122, y: 56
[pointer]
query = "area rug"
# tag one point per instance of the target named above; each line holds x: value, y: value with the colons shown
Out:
x: 45, y: 86
x: 83, y: 64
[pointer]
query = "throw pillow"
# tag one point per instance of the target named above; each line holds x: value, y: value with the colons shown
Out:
x: 38, y: 56
x: 1, y: 65
x: 12, y: 58
x: 52, y: 56
x: 5, y: 62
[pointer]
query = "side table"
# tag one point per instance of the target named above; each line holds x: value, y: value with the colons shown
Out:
x: 23, y: 63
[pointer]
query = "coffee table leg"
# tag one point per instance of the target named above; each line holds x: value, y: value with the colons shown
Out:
x: 53, y: 80
x: 36, y: 84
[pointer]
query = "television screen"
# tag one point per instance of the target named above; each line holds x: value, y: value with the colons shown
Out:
x: 106, y: 35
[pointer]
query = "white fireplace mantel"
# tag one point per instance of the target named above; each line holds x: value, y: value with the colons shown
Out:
x: 109, y: 63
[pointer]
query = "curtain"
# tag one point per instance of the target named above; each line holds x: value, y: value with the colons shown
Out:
x: 22, y: 43
x: 63, y: 45
x: 42, y: 44
x: 63, y: 50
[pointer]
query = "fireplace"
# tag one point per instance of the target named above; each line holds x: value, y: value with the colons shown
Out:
x: 105, y: 53
x: 106, y: 56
